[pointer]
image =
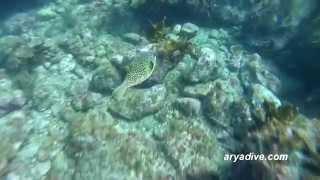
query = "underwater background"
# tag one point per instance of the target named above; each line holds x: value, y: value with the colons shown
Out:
x: 159, y: 89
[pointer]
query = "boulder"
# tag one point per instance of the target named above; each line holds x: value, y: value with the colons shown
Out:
x: 138, y: 103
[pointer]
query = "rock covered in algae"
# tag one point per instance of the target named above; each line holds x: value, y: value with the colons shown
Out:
x: 189, y: 106
x: 191, y: 147
x: 219, y: 102
x: 260, y: 94
x: 134, y: 38
x: 254, y: 70
x: 189, y: 29
x: 14, y: 133
x: 105, y: 79
x: 106, y: 150
x: 15, y: 52
x: 11, y: 99
x: 126, y: 156
x: 210, y: 65
x: 138, y: 103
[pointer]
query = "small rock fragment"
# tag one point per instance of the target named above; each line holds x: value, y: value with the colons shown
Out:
x: 189, y: 106
x: 134, y: 38
x: 189, y: 30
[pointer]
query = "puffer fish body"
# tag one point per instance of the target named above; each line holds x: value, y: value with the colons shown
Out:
x: 139, y: 70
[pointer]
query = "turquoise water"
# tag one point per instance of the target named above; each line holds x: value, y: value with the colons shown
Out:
x: 159, y: 90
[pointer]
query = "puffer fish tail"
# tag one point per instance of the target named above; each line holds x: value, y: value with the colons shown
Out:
x: 119, y: 92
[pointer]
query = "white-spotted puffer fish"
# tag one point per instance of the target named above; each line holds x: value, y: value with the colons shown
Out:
x: 139, y: 70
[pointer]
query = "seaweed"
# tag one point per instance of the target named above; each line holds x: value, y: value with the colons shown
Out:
x: 158, y: 31
x: 285, y: 131
x: 170, y: 46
